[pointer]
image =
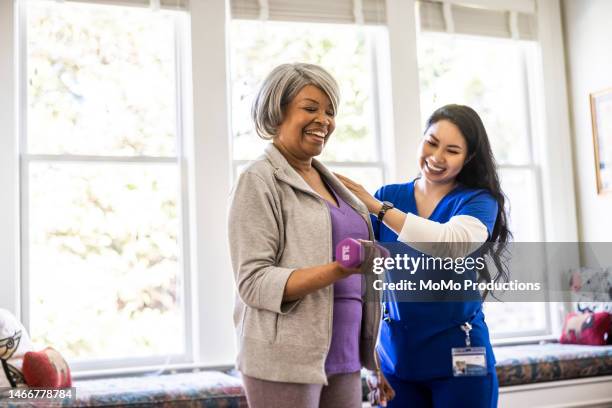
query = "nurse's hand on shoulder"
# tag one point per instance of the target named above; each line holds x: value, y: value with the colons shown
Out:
x: 361, y: 193
x: 394, y: 219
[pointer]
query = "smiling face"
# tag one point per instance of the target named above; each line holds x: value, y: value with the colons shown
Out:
x: 308, y: 121
x: 442, y: 153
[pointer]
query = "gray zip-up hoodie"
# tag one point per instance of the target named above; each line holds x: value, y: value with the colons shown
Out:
x: 277, y: 224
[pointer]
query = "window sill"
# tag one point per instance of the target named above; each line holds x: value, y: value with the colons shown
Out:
x: 154, y: 369
x: 516, y: 341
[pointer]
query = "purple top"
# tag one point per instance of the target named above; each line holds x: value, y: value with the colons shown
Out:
x: 343, y: 354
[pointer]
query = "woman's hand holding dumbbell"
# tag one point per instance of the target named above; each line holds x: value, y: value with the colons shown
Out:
x: 357, y: 256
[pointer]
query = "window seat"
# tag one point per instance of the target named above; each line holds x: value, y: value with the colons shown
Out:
x: 528, y: 364
x: 209, y: 389
x: 196, y: 389
x: 516, y: 365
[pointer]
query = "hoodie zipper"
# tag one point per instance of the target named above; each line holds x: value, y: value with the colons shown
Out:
x: 330, y: 327
x: 330, y: 257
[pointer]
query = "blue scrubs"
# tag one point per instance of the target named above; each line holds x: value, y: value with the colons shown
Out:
x: 416, y: 338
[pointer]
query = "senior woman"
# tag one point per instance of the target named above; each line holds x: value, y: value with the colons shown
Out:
x: 304, y: 326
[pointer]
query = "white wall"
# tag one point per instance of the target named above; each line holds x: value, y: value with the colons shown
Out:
x: 9, y: 201
x: 593, y: 392
x: 588, y: 39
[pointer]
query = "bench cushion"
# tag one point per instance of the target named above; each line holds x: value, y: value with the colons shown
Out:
x: 529, y: 364
x: 199, y: 389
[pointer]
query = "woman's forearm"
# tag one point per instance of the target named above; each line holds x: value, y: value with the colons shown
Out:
x: 303, y: 281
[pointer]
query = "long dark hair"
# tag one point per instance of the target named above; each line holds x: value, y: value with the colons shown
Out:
x: 480, y: 171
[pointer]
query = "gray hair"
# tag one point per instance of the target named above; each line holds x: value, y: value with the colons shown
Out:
x: 281, y: 86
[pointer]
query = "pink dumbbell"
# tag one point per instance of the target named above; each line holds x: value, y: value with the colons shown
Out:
x: 350, y: 253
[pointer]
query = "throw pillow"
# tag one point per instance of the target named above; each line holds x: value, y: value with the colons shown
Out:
x: 586, y: 328
x: 46, y: 369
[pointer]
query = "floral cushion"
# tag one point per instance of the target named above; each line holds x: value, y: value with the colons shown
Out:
x: 551, y: 362
x: 184, y: 390
x: 200, y: 389
x: 209, y: 389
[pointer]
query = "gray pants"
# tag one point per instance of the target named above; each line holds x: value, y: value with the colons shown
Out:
x: 342, y: 390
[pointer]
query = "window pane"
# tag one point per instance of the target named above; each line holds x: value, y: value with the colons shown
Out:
x: 100, y: 80
x: 519, y: 185
x: 345, y: 51
x: 104, y: 259
x: 486, y: 74
x: 489, y: 75
x: 519, y: 318
x: 515, y: 318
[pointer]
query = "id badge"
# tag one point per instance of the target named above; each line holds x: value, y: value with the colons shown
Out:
x: 469, y: 361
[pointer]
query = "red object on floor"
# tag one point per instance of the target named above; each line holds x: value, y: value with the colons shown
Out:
x: 46, y: 369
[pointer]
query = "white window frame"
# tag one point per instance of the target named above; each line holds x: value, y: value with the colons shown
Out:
x: 210, y: 169
x: 558, y: 190
x: 9, y: 163
x: 84, y: 365
x: 527, y: 74
x: 206, y: 139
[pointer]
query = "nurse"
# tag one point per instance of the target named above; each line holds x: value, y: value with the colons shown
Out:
x: 457, y: 199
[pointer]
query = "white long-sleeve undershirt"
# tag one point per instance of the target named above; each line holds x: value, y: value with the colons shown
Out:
x: 458, y: 237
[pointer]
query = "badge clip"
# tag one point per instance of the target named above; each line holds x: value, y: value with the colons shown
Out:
x: 469, y: 361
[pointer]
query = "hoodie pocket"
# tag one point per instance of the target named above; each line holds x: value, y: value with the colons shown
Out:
x: 260, y: 324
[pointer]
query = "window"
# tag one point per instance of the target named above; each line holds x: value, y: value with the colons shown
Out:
x: 489, y: 75
x: 493, y: 76
x: 348, y: 52
x: 103, y: 253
